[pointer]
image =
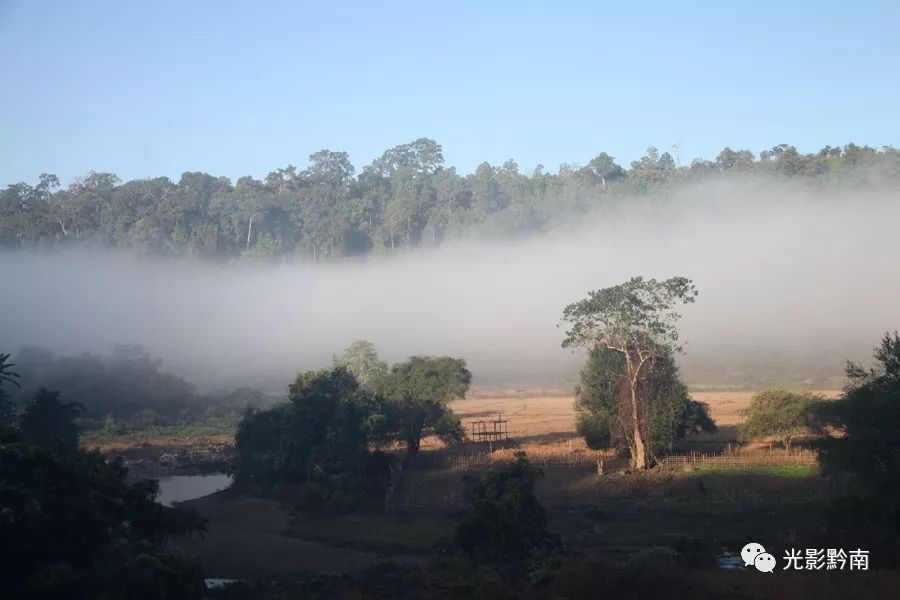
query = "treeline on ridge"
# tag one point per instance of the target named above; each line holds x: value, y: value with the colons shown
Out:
x: 406, y: 198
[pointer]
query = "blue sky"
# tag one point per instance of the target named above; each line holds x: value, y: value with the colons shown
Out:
x: 144, y: 89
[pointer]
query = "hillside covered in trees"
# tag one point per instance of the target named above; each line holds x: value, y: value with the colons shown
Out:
x: 406, y: 198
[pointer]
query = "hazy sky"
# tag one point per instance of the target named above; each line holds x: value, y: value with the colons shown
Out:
x: 157, y: 88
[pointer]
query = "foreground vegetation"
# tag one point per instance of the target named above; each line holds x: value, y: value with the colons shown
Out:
x: 78, y: 528
x: 505, y: 530
x: 646, y: 577
x: 634, y: 529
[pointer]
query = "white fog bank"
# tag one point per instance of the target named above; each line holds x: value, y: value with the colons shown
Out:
x: 785, y: 276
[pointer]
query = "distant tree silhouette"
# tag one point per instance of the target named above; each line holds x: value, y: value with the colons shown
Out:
x: 48, y: 422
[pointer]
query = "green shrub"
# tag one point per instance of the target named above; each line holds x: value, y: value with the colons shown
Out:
x: 779, y: 413
x: 505, y: 521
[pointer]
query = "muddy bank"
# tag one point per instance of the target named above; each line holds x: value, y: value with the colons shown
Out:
x: 245, y: 539
x: 155, y: 460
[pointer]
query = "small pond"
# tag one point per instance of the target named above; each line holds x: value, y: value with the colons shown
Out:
x: 178, y: 488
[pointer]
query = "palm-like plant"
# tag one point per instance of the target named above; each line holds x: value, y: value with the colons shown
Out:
x: 7, y: 375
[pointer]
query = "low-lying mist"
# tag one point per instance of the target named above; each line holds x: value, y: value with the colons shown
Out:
x: 792, y: 282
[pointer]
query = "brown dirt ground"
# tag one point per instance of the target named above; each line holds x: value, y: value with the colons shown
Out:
x: 152, y: 442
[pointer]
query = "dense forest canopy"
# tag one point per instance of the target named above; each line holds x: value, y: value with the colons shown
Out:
x: 406, y: 198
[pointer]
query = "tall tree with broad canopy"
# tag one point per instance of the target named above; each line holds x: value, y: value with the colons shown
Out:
x: 636, y: 319
x: 417, y: 394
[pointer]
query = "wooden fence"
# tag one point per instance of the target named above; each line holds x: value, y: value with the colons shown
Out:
x: 801, y: 456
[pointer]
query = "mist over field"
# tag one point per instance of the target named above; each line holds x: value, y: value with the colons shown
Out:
x: 792, y: 282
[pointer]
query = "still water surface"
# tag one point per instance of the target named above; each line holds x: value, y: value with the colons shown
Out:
x: 178, y: 488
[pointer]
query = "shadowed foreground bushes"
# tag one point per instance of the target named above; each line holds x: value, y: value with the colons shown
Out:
x: 577, y: 580
x: 73, y: 527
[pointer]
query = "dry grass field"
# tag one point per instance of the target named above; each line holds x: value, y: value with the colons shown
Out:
x: 536, y: 411
x: 540, y: 421
x: 543, y: 420
x: 537, y: 417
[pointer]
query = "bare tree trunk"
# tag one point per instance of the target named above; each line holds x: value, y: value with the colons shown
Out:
x: 640, y: 451
x: 639, y: 448
x: 249, y: 229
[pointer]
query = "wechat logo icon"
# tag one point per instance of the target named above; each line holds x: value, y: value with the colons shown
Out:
x: 754, y: 554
